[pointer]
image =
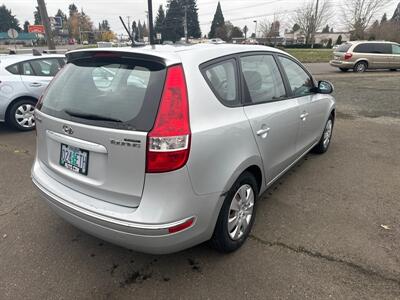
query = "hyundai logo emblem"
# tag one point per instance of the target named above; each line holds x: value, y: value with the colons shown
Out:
x: 67, y: 129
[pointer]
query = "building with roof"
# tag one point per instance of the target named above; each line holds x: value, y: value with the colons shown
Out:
x: 25, y: 38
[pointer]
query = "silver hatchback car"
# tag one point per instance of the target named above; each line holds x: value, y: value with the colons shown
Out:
x: 23, y: 78
x: 161, y: 148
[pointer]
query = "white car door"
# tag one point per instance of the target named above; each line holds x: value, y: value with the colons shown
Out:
x: 36, y: 74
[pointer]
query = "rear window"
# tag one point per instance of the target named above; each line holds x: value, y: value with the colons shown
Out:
x: 344, y: 48
x: 375, y: 48
x: 116, y: 93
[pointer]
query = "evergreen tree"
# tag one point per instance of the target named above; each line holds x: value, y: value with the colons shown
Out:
x: 384, y: 19
x: 140, y: 30
x: 160, y: 19
x: 192, y: 17
x: 236, y: 33
x: 296, y: 27
x: 8, y: 20
x: 173, y: 28
x: 329, y: 45
x: 26, y: 26
x: 218, y: 22
x: 339, y: 40
x: 326, y: 29
x: 396, y: 15
x: 37, y: 17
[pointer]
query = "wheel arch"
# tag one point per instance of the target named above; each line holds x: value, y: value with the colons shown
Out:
x: 6, y: 115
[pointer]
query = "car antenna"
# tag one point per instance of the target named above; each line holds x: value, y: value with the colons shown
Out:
x: 134, y: 43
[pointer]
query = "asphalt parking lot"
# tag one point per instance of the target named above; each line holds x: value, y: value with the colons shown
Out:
x: 329, y: 229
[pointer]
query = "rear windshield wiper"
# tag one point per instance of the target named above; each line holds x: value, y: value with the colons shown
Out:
x: 91, y: 116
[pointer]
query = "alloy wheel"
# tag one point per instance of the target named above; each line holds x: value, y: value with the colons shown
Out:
x: 240, y: 212
x: 24, y: 115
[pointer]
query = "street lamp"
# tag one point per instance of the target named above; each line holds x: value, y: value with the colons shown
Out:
x: 255, y: 29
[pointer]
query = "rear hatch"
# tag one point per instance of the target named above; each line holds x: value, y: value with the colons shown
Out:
x: 93, y: 123
x: 340, y: 52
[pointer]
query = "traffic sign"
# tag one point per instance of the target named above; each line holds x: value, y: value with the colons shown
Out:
x: 12, y: 33
x: 36, y: 28
x: 56, y: 22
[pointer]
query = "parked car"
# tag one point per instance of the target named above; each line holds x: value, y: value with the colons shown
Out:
x: 363, y: 55
x: 177, y: 147
x: 23, y: 78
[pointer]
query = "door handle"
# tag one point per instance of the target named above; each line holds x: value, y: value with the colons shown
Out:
x: 304, y: 116
x: 263, y: 133
x: 35, y: 84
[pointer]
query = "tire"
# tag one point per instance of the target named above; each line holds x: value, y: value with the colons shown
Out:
x: 225, y: 240
x: 326, y: 138
x: 361, y: 67
x: 393, y: 70
x: 343, y: 69
x: 20, y: 115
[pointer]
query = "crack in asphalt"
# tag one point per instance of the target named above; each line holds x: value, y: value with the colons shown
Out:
x: 299, y: 249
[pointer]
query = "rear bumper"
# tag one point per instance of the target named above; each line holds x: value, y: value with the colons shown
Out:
x: 127, y: 226
x: 341, y: 64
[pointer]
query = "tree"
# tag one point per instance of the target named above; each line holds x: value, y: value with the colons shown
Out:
x: 26, y: 26
x: 329, y: 44
x: 245, y: 31
x: 296, y: 27
x: 326, y: 29
x: 270, y: 29
x: 135, y: 31
x: 384, y: 19
x: 236, y: 32
x: 8, y: 20
x: 193, y: 25
x: 309, y: 21
x: 357, y: 15
x: 160, y: 19
x: 339, y: 40
x: 218, y: 22
x: 37, y: 17
x: 104, y: 26
x: 173, y: 29
x: 396, y: 15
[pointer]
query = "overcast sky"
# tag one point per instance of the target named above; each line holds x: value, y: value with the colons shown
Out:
x: 239, y: 12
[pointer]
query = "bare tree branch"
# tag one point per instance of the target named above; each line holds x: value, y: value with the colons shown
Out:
x: 358, y: 14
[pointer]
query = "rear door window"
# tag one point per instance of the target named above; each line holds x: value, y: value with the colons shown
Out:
x: 373, y: 48
x: 396, y: 49
x: 46, y: 67
x: 222, y: 78
x: 262, y: 77
x: 121, y: 93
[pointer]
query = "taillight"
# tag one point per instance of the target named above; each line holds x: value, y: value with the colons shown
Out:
x: 169, y: 141
x: 348, y: 56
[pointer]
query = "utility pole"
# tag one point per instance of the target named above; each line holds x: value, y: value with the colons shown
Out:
x: 314, y: 26
x: 255, y: 29
x: 151, y: 29
x: 185, y: 24
x: 46, y: 22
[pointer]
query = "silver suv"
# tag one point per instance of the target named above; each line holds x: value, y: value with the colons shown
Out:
x: 23, y: 78
x: 165, y: 147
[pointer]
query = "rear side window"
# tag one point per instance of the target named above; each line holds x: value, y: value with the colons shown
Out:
x: 46, y: 67
x: 344, y: 48
x: 222, y: 78
x: 262, y: 78
x: 13, y: 69
x: 300, y: 82
x: 373, y: 48
x: 27, y: 69
x: 121, y: 93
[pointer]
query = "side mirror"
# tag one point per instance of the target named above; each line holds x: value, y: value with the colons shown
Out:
x: 325, y: 87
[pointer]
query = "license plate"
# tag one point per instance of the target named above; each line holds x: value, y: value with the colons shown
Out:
x: 74, y: 159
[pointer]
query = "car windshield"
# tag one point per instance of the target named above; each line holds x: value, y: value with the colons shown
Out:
x: 117, y: 93
x: 344, y: 47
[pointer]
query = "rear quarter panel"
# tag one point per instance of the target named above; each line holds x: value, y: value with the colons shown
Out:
x: 222, y: 145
